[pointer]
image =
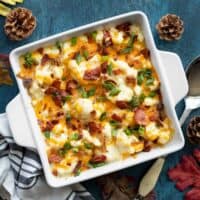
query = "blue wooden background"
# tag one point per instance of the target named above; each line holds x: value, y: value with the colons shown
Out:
x: 54, y: 16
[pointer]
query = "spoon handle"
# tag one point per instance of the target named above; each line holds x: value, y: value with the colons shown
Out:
x: 184, y: 116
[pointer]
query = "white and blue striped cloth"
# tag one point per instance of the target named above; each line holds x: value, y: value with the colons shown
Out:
x: 21, y: 176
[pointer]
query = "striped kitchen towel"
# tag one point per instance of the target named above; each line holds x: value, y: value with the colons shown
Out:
x: 21, y: 176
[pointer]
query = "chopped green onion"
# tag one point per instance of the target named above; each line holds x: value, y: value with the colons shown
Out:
x: 73, y: 41
x: 109, y: 69
x: 128, y: 131
x: 75, y: 136
x: 129, y: 46
x: 94, y: 35
x: 150, y: 81
x: 67, y: 146
x: 152, y: 94
x: 68, y: 98
x: 91, y: 92
x: 85, y: 54
x: 29, y: 60
x: 141, y: 98
x: 47, y: 134
x: 108, y: 85
x: 75, y: 150
x: 95, y: 165
x: 134, y: 102
x: 78, y: 58
x: 114, y: 123
x: 103, y: 116
x: 115, y: 91
x: 78, y: 172
x: 83, y: 92
x: 59, y: 45
x: 104, y: 58
x: 113, y: 132
x: 141, y: 130
x: 87, y: 145
x: 68, y: 117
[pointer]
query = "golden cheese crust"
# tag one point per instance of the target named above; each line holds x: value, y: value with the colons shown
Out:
x: 96, y: 97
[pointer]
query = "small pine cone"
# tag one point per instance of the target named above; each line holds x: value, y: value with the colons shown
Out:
x: 193, y: 130
x: 20, y: 23
x: 170, y: 27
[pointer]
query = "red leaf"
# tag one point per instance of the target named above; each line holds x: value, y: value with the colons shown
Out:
x: 196, y: 154
x: 193, y: 194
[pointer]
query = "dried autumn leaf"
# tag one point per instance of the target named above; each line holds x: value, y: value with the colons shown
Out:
x: 186, y: 174
x: 5, y: 77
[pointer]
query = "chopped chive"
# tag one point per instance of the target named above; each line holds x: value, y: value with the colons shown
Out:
x: 149, y: 81
x: 114, y: 92
x: 91, y: 92
x: 68, y: 98
x: 75, y: 136
x: 104, y: 58
x: 94, y: 35
x: 59, y: 45
x: 108, y: 85
x: 95, y: 165
x: 113, y: 132
x: 114, y: 123
x: 47, y: 134
x: 141, y: 130
x: 109, y: 69
x: 75, y: 150
x: 103, y: 116
x: 134, y: 102
x: 29, y: 60
x: 67, y: 146
x: 78, y: 58
x: 87, y: 145
x: 152, y: 94
x: 129, y: 46
x: 128, y: 131
x: 68, y: 117
x: 85, y: 54
x: 73, y: 41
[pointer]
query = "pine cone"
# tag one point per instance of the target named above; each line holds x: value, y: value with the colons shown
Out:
x: 170, y: 27
x: 193, y: 130
x: 20, y: 23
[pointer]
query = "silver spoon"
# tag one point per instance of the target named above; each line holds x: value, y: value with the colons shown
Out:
x: 192, y: 101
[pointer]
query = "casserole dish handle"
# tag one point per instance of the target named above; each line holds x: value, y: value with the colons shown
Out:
x: 19, y: 123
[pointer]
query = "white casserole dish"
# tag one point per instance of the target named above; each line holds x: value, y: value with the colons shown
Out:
x: 25, y: 113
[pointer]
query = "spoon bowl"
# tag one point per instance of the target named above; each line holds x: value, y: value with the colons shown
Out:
x: 192, y: 101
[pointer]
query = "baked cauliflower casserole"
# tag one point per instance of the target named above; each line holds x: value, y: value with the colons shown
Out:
x: 96, y: 98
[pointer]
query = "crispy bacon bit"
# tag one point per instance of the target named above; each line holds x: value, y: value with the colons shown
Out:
x: 55, y: 172
x: 54, y: 121
x: 54, y: 157
x: 93, y: 114
x: 102, y: 50
x: 154, y: 116
x: 59, y: 114
x: 116, y: 117
x: 71, y: 85
x: 147, y: 146
x: 77, y: 167
x: 117, y: 71
x: 41, y: 50
x: 45, y: 59
x: 104, y: 66
x: 56, y: 84
x: 93, y: 74
x: 145, y: 52
x: 98, y: 159
x: 46, y: 127
x: 94, y: 127
x: 160, y: 108
x: 130, y: 80
x: 122, y: 104
x: 140, y: 116
x: 107, y: 39
x: 187, y: 174
x: 27, y: 82
x: 124, y: 27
